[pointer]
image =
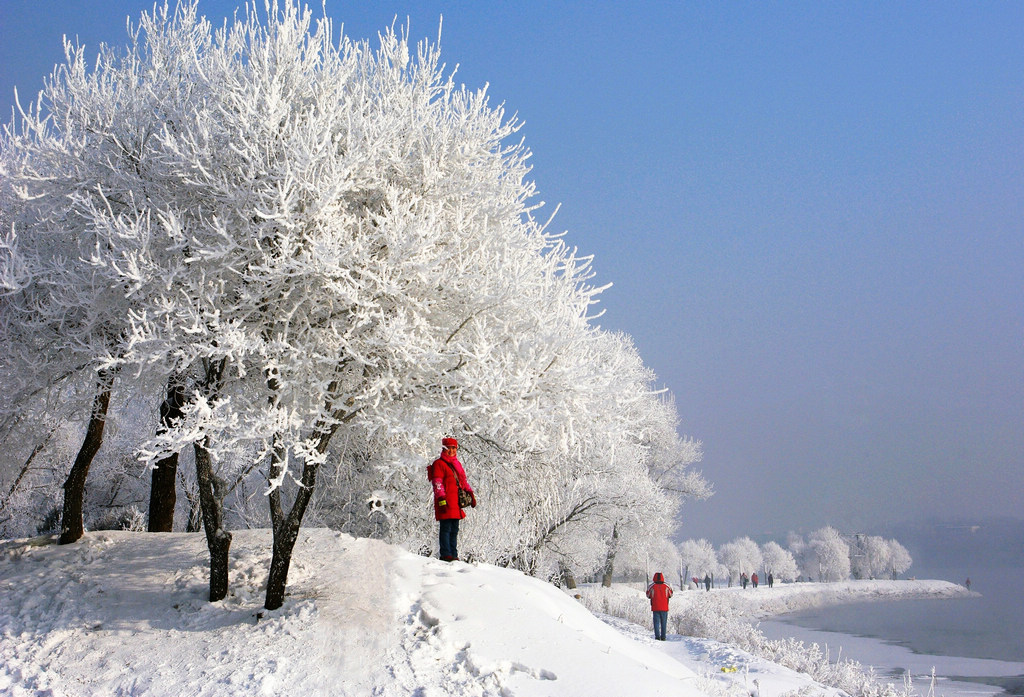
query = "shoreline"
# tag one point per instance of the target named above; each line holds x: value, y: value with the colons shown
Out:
x: 956, y: 675
x: 786, y: 598
x: 756, y: 608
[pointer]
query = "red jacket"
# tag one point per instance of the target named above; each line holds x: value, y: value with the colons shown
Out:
x: 442, y: 474
x: 659, y: 592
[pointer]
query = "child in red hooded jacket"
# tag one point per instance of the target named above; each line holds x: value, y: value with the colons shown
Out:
x: 659, y: 592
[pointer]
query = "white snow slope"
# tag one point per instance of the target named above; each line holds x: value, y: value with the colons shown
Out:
x: 122, y: 613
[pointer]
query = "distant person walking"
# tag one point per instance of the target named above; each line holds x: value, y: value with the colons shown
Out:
x: 659, y: 592
x: 707, y: 582
x: 771, y: 579
x: 743, y: 580
x: 451, y: 493
x: 753, y: 579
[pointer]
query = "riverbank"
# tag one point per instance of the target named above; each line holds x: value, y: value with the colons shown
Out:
x: 627, y: 600
x: 784, y: 598
x: 733, y: 616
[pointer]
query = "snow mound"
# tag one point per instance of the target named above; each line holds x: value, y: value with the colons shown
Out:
x: 122, y: 613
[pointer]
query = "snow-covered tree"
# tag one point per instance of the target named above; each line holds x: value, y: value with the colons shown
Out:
x: 331, y: 250
x: 869, y: 556
x: 899, y: 558
x: 63, y: 321
x: 779, y: 562
x: 827, y: 556
x: 740, y: 556
x: 697, y: 558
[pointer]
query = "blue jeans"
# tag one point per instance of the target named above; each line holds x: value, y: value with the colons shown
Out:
x: 448, y: 538
x: 660, y: 624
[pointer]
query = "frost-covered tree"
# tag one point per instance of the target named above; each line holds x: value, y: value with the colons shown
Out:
x: 324, y: 257
x: 827, y: 555
x: 899, y: 558
x: 779, y: 562
x: 697, y: 558
x: 740, y: 556
x: 869, y: 556
x: 331, y: 249
x: 585, y: 485
x: 63, y: 321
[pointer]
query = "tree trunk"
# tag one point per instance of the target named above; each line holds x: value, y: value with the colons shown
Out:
x: 72, y: 525
x: 567, y: 577
x: 195, y: 517
x: 286, y: 532
x: 162, y: 495
x: 285, y: 536
x: 218, y: 540
x: 286, y: 528
x: 609, y: 564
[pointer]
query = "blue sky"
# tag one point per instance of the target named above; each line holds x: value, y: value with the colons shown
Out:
x: 812, y: 215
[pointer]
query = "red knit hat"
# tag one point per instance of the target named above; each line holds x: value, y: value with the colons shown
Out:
x: 449, y: 442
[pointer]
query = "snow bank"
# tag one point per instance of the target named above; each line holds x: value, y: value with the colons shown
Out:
x: 126, y: 614
x: 794, y: 597
x: 122, y: 613
x: 750, y: 604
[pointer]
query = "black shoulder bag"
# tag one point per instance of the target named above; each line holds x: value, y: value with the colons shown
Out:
x: 465, y: 498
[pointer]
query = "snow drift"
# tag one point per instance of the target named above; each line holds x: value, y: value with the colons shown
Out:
x: 122, y: 613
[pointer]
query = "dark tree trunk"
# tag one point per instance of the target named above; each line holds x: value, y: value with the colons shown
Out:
x: 162, y: 495
x: 286, y: 531
x: 286, y: 527
x: 218, y: 540
x: 285, y: 536
x: 567, y: 577
x: 72, y: 525
x: 609, y: 564
x: 211, y: 493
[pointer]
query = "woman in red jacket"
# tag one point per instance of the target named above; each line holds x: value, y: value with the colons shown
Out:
x: 447, y: 477
x: 659, y: 592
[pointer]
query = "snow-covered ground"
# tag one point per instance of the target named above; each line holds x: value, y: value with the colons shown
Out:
x: 793, y: 597
x: 123, y: 613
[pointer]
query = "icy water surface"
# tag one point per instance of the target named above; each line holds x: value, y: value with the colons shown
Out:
x: 989, y: 628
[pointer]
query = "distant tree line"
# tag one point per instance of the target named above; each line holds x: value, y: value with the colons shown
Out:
x: 824, y: 555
